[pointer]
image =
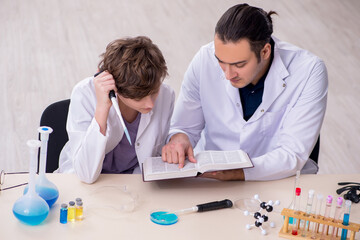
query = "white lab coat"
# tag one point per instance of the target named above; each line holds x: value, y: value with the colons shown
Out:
x: 85, y: 151
x: 282, y: 132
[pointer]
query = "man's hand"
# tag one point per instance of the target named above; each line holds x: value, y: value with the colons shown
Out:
x: 226, y: 175
x: 177, y: 149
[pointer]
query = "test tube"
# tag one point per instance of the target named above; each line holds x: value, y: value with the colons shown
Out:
x: 305, y: 224
x: 296, y: 185
x: 317, y: 211
x: 79, y: 211
x: 326, y: 216
x: 337, y: 216
x: 63, y: 213
x: 71, y: 211
x: 296, y: 209
x: 346, y: 219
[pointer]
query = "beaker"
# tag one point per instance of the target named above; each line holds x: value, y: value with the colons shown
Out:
x: 46, y: 189
x: 31, y: 208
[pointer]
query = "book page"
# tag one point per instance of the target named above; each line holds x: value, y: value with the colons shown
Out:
x: 222, y: 160
x: 204, y: 158
x: 235, y: 156
x: 219, y: 157
x: 155, y: 169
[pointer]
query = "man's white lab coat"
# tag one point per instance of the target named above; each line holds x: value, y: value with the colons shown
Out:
x: 85, y: 151
x: 282, y: 132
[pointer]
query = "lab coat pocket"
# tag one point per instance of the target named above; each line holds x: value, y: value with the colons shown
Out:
x: 272, y: 122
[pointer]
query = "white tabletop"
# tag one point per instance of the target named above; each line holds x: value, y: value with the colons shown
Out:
x: 104, y: 217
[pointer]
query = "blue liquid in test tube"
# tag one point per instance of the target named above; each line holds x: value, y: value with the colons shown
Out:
x: 346, y: 219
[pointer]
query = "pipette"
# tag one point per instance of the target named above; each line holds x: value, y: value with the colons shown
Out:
x: 168, y: 218
x: 117, y: 109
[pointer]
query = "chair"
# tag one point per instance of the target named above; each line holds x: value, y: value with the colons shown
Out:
x: 315, y: 152
x: 55, y: 116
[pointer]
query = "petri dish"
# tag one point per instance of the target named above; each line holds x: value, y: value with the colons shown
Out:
x: 163, y: 218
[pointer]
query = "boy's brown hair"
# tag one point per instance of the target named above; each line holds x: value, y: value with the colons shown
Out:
x: 137, y: 66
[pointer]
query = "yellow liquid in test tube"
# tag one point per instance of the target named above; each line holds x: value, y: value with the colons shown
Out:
x: 71, y: 211
x: 79, y: 211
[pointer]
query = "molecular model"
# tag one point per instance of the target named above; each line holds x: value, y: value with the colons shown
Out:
x: 260, y: 219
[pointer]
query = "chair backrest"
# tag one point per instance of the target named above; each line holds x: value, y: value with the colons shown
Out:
x: 55, y: 116
x: 315, y: 152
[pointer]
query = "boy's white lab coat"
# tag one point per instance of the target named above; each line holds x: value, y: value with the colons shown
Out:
x: 282, y: 132
x: 85, y: 151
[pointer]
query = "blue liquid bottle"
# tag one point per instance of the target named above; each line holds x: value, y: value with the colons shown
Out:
x: 63, y: 213
x: 46, y: 189
x: 346, y: 219
x: 31, y: 209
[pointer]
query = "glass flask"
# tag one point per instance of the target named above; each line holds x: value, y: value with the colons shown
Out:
x: 46, y: 189
x: 31, y: 209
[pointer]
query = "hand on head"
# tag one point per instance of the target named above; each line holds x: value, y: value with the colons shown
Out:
x: 178, y: 148
x: 104, y: 83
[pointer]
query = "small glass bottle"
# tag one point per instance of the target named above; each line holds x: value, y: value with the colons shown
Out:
x: 296, y: 211
x: 71, y: 211
x: 326, y: 216
x: 346, y: 219
x: 337, y: 216
x: 79, y: 211
x: 63, y: 213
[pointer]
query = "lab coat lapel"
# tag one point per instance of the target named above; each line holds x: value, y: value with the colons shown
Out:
x: 144, y: 122
x: 274, y: 85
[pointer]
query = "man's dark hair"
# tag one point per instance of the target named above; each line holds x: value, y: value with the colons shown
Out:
x: 246, y: 22
x: 137, y: 65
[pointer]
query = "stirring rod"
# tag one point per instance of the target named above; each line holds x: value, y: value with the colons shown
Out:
x: 117, y: 109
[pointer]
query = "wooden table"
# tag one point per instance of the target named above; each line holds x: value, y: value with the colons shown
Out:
x: 104, y: 217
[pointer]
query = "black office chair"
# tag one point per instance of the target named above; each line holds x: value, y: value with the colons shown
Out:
x: 55, y: 116
x: 315, y: 152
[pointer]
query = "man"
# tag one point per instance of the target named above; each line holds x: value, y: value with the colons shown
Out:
x: 248, y: 90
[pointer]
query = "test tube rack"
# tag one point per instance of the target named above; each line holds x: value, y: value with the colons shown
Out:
x: 285, y: 231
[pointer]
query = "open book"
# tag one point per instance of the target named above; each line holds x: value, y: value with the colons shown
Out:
x: 155, y: 169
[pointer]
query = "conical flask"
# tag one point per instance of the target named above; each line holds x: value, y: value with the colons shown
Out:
x: 46, y: 189
x: 31, y: 209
